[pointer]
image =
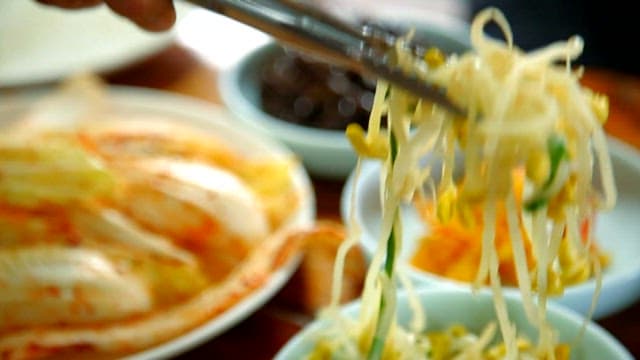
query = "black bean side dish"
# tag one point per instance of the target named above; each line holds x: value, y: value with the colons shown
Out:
x: 314, y: 94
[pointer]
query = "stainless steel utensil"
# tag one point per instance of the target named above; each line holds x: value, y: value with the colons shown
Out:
x: 367, y: 49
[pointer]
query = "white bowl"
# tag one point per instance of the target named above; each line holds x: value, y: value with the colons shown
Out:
x: 445, y: 307
x: 325, y: 153
x: 617, y: 232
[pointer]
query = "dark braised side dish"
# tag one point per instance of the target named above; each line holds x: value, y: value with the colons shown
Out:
x: 312, y: 93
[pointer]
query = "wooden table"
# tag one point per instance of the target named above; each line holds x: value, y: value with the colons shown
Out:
x: 178, y: 69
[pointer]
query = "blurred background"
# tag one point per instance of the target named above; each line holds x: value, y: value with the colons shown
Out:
x: 39, y: 46
x: 605, y: 26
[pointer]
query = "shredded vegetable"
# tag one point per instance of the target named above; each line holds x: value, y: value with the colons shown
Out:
x: 58, y: 171
x: 524, y: 111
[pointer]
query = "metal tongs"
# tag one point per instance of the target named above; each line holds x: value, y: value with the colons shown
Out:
x: 367, y: 49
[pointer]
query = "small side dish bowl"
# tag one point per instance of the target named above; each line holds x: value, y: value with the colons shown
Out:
x: 324, y: 151
x: 443, y: 308
x: 616, y: 232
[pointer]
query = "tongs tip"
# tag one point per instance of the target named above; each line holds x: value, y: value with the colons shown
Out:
x: 366, y: 48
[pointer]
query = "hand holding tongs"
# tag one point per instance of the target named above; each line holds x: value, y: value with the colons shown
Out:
x: 364, y: 49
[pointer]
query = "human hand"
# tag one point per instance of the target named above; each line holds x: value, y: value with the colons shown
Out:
x: 152, y: 15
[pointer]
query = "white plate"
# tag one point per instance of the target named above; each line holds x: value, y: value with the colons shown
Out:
x: 41, y: 43
x: 142, y: 102
x: 617, y: 232
x: 443, y: 307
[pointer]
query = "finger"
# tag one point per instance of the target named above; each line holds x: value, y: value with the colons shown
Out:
x: 71, y: 4
x: 153, y: 15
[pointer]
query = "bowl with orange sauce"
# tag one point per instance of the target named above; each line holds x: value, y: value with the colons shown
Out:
x: 615, y: 233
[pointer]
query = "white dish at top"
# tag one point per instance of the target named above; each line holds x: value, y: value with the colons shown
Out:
x: 617, y: 232
x: 41, y: 43
x: 136, y: 103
